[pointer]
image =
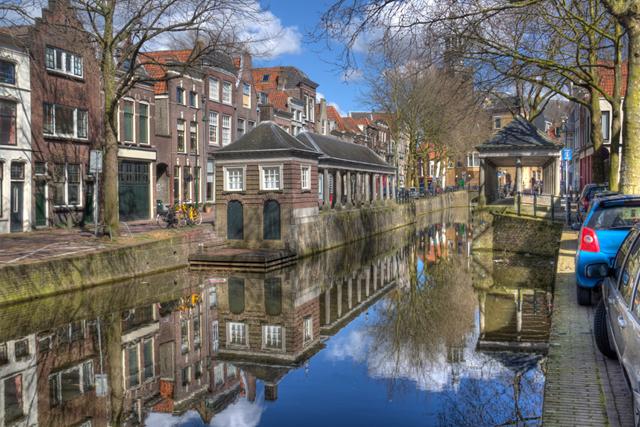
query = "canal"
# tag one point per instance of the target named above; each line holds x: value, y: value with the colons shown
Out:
x: 412, y: 327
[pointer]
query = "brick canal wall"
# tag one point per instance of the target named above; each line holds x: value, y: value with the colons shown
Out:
x: 48, y: 277
x: 516, y: 234
x: 325, y: 231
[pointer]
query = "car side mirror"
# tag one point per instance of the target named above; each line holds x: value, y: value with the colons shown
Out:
x: 576, y: 226
x: 598, y: 270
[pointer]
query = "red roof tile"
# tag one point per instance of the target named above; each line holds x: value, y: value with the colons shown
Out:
x: 607, y: 78
x: 279, y: 99
x: 153, y: 63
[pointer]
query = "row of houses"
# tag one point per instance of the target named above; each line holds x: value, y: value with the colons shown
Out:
x: 51, y: 117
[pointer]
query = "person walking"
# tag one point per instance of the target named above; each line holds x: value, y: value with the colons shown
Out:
x: 533, y: 185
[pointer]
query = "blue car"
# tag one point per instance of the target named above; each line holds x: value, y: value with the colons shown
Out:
x: 606, y: 225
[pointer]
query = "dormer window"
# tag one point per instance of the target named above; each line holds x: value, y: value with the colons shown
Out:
x: 63, y: 61
x: 126, y: 64
x: 265, y: 78
x: 7, y: 73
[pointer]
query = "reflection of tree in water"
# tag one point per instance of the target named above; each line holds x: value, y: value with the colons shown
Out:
x: 500, y: 397
x: 418, y: 322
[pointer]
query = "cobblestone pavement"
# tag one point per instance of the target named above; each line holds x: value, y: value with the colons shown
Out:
x: 45, y: 244
x: 582, y: 387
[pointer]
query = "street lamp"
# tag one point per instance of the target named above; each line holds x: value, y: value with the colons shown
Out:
x: 205, y: 119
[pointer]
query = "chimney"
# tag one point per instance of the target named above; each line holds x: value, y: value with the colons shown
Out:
x: 266, y: 112
x: 271, y: 393
x: 282, y: 79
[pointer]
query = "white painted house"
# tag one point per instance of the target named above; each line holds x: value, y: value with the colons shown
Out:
x: 15, y: 136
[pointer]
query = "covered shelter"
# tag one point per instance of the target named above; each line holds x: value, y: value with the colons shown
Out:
x: 519, y: 144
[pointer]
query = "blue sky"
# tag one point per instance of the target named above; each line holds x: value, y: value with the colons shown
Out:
x: 297, y: 18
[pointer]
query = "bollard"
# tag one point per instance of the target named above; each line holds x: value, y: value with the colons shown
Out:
x: 535, y: 205
x: 568, y: 210
x: 519, y: 202
x: 553, y: 209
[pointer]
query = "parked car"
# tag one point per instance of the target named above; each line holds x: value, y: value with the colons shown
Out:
x: 607, y: 224
x: 616, y: 321
x: 586, y: 195
x: 413, y: 193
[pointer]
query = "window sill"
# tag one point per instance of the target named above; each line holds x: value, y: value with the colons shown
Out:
x: 66, y: 207
x: 270, y: 191
x: 234, y: 192
x: 67, y: 138
x: 306, y: 190
x: 63, y: 74
x: 8, y: 144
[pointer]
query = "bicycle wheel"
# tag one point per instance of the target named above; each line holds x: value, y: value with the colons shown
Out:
x: 163, y: 221
x: 182, y: 218
x: 195, y: 215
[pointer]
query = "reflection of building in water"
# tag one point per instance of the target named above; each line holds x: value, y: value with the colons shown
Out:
x: 18, y: 383
x: 344, y: 297
x: 440, y: 240
x: 68, y: 358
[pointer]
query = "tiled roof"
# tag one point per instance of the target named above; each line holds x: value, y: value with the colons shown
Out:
x: 152, y: 61
x: 279, y: 99
x: 608, y: 79
x: 520, y: 133
x: 342, y: 150
x: 16, y: 30
x: 294, y: 77
x: 351, y: 124
x: 266, y: 136
x: 332, y: 115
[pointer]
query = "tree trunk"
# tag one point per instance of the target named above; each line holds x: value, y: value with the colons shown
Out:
x: 113, y: 345
x: 614, y: 156
x: 630, y: 165
x: 110, y: 181
x: 597, y: 163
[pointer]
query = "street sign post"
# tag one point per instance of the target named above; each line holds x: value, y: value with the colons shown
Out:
x: 566, y: 154
x: 95, y: 166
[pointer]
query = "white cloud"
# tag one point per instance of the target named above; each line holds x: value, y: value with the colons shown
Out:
x: 271, y: 38
x: 350, y: 76
x: 319, y: 96
x: 338, y: 109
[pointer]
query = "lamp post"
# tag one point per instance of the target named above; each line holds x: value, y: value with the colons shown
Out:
x: 205, y: 119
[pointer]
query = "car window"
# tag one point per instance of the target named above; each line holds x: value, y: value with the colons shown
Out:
x: 594, y: 190
x: 636, y: 302
x: 614, y: 217
x: 629, y: 272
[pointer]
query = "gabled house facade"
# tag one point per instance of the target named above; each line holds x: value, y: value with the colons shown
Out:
x: 16, y: 165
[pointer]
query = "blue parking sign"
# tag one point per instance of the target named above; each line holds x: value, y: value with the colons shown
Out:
x: 566, y: 154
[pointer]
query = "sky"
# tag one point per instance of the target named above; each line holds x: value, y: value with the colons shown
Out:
x: 296, y: 18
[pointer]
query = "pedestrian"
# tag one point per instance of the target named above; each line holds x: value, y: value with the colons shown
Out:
x: 533, y: 184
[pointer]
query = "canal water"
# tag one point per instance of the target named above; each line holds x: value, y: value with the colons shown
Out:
x: 412, y: 327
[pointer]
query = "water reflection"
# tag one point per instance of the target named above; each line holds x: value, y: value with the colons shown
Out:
x: 412, y: 326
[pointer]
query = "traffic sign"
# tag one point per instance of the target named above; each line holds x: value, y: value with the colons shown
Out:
x: 95, y: 161
x: 566, y: 154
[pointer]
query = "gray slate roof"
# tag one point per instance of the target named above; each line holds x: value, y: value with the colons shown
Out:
x: 337, y: 149
x: 265, y: 136
x: 296, y: 76
x: 520, y: 134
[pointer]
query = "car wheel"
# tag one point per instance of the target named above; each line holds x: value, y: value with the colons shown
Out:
x: 601, y: 331
x: 584, y: 295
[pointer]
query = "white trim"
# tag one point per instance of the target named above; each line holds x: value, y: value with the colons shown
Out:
x: 308, y: 175
x: 280, y: 176
x: 245, y: 334
x: 277, y: 329
x: 225, y: 177
x: 129, y: 153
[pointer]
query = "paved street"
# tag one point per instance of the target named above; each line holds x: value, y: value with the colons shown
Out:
x: 45, y: 244
x: 583, y: 388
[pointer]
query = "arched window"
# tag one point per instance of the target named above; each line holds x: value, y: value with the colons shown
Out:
x: 271, y: 220
x: 236, y: 295
x: 273, y: 296
x: 234, y: 221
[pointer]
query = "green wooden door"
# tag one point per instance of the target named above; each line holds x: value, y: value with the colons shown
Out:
x: 133, y: 191
x: 41, y: 204
x: 235, y: 229
x: 271, y: 220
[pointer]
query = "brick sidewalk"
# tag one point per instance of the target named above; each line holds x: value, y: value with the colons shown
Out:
x: 582, y: 387
x: 45, y: 244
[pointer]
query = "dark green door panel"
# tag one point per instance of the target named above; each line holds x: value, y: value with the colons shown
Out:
x: 41, y: 204
x: 133, y: 191
x: 271, y: 220
x: 234, y: 221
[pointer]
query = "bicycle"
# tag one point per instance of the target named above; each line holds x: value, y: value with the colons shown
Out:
x: 189, y: 214
x: 167, y: 219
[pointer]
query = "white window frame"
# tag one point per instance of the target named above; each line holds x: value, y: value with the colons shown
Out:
x: 494, y: 122
x: 214, y: 121
x: 133, y: 119
x: 243, y: 127
x: 227, y: 92
x: 245, y: 86
x: 227, y: 140
x: 214, y: 89
x: 153, y: 359
x: 126, y: 367
x: 307, y: 330
x: 227, y: 169
x: 184, y: 95
x: 66, y: 185
x: 64, y: 54
x: 82, y: 382
x: 278, y: 329
x: 252, y: 125
x: 305, y: 173
x: 146, y: 104
x: 471, y: 157
x: 75, y: 122
x: 262, y: 183
x: 235, y: 326
x: 210, y: 179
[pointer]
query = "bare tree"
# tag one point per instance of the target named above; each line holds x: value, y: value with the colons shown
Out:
x: 122, y: 31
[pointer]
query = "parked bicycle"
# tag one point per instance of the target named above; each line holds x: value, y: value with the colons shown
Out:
x: 167, y: 218
x: 188, y: 213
